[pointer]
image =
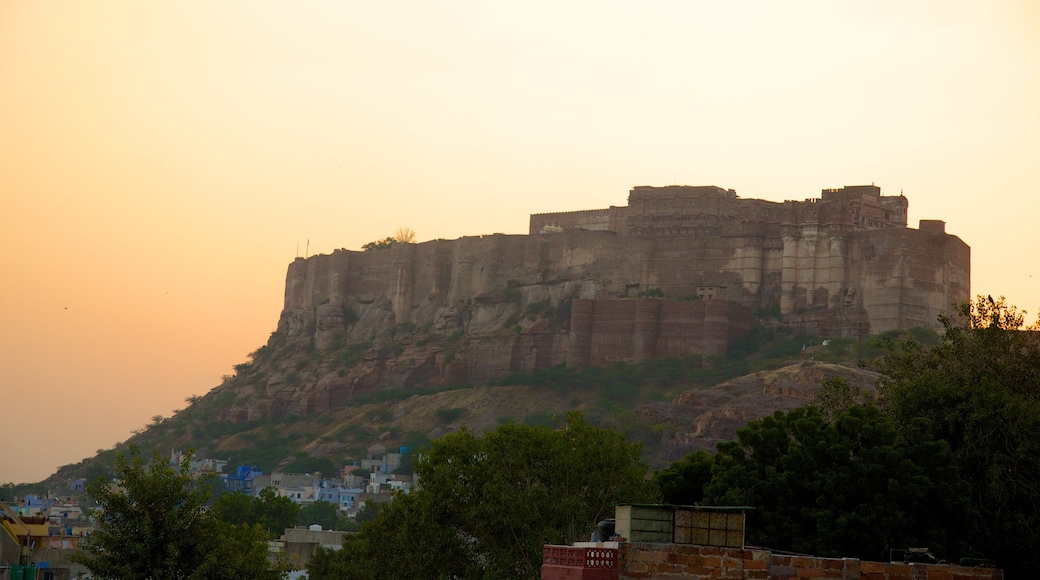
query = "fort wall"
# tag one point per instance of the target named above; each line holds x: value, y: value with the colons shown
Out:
x: 841, y: 264
x: 641, y: 329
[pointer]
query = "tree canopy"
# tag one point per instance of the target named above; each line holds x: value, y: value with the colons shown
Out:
x: 488, y: 503
x: 851, y: 487
x: 403, y: 235
x: 980, y: 388
x: 269, y: 511
x: 153, y: 524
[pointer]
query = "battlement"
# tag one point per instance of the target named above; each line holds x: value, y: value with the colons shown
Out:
x: 711, y: 211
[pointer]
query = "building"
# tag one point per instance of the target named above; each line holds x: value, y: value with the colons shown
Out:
x: 701, y: 543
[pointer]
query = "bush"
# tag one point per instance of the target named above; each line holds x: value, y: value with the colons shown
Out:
x: 651, y: 293
x: 349, y: 316
x: 450, y: 415
x: 381, y: 415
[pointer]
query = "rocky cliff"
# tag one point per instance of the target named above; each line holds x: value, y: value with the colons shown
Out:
x: 466, y: 311
x: 678, y: 271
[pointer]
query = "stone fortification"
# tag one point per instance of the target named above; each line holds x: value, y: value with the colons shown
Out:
x: 606, y: 331
x: 477, y: 308
x: 844, y: 263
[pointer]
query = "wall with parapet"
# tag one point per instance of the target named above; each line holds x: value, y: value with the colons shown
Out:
x: 648, y: 561
x: 844, y: 264
x: 662, y: 561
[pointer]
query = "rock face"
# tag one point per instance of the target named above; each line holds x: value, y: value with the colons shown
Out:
x: 706, y: 417
x: 575, y: 291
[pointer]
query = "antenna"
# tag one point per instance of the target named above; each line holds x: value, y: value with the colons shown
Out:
x: 307, y: 253
x: 297, y: 249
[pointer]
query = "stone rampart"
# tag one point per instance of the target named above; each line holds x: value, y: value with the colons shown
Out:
x: 641, y: 329
x: 843, y: 264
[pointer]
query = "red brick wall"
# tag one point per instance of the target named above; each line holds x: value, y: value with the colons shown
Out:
x: 647, y: 561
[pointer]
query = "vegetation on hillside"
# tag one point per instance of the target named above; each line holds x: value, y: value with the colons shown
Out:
x: 326, y: 441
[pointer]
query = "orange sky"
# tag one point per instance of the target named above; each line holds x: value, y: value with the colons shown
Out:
x: 160, y: 162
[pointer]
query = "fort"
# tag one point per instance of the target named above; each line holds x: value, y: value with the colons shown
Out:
x: 845, y: 259
x: 679, y: 270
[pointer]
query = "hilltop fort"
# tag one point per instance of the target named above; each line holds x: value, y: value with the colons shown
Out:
x: 844, y: 263
x: 679, y: 270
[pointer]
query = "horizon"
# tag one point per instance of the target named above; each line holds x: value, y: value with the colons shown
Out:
x: 162, y: 165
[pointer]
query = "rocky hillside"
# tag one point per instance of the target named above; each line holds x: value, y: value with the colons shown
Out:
x: 346, y: 370
x: 693, y: 417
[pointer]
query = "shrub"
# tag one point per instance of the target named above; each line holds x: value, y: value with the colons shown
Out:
x: 450, y: 415
x: 379, y: 415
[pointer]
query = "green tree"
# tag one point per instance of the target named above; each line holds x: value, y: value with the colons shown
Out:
x: 851, y: 487
x: 236, y: 508
x: 682, y: 482
x: 153, y: 524
x: 980, y: 388
x: 488, y: 504
x: 401, y: 236
x: 352, y: 562
x: 238, y: 551
x: 323, y: 513
x: 836, y: 395
x: 271, y: 512
x: 276, y: 513
x: 369, y: 512
x: 379, y: 244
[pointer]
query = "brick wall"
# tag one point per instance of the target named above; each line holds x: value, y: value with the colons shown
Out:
x: 652, y: 561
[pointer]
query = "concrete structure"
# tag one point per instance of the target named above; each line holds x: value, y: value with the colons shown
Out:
x: 301, y: 543
x: 36, y: 541
x: 243, y: 479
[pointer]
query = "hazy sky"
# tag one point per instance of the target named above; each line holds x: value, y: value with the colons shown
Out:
x: 161, y: 161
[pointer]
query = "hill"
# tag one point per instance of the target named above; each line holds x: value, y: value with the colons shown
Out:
x: 673, y: 406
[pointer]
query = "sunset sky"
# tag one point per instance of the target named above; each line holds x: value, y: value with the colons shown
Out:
x: 162, y: 162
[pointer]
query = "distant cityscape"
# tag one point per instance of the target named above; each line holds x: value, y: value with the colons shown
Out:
x: 50, y: 527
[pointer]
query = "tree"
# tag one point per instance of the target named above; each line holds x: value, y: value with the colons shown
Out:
x: 404, y: 235
x: 153, y: 524
x: 352, y: 562
x: 488, y: 504
x: 851, y: 487
x: 323, y: 513
x: 682, y: 483
x: 236, y: 508
x: 836, y: 395
x: 379, y: 244
x: 238, y: 551
x: 980, y: 388
x: 401, y: 236
x: 369, y: 511
x: 276, y: 513
x: 271, y: 512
